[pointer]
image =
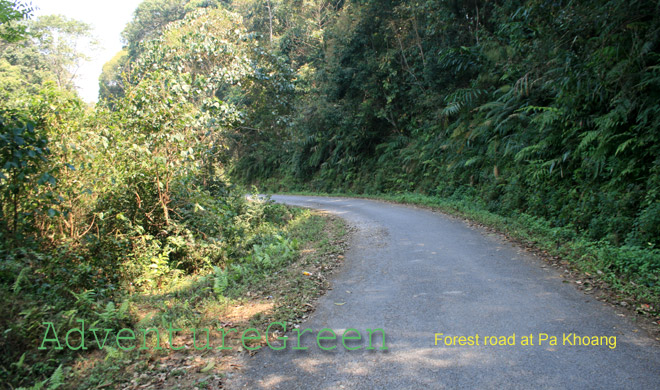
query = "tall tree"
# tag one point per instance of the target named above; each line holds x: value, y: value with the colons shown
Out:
x: 11, y: 13
x: 63, y: 42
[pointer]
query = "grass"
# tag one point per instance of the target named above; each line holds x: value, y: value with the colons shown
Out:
x: 285, y: 291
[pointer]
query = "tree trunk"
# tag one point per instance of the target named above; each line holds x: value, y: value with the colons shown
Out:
x: 270, y: 20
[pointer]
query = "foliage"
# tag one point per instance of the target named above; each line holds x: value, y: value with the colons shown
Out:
x: 111, y: 82
x: 22, y: 154
x: 540, y: 115
x: 126, y: 198
x: 51, y: 53
x: 152, y: 16
x: 59, y: 39
x: 547, y: 109
x: 11, y: 13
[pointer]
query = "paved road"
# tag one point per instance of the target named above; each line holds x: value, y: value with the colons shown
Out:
x: 414, y: 273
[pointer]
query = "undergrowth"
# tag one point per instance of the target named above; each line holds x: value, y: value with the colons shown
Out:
x: 160, y: 292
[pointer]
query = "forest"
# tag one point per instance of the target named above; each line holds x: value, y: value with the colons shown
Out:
x: 543, y: 115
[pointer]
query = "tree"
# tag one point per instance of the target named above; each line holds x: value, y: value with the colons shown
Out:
x: 111, y: 83
x: 60, y: 40
x: 11, y: 13
x: 52, y: 52
x: 149, y: 19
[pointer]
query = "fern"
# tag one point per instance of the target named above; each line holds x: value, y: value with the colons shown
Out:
x: 55, y: 381
x: 587, y: 138
x: 624, y: 145
x: 472, y: 161
x: 19, y: 363
x: 451, y: 109
x: 22, y: 276
x: 220, y: 280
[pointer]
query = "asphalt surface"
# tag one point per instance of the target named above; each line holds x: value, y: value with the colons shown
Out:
x: 414, y: 273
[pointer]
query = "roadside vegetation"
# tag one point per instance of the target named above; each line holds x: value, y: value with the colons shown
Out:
x: 280, y: 282
x: 121, y: 214
x: 538, y: 117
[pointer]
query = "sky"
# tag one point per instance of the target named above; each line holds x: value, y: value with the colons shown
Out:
x: 107, y: 18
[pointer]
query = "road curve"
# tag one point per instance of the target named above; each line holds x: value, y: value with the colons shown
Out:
x: 415, y: 273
